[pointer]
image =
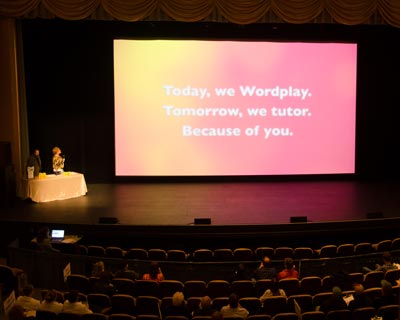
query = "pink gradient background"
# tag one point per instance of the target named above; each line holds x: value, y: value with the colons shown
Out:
x: 148, y: 142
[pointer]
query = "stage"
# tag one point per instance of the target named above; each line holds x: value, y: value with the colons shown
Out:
x: 255, y: 211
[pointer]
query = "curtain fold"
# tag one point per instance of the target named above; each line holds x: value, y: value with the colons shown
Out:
x: 349, y: 12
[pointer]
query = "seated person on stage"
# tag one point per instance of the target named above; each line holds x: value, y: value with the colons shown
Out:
x: 43, y: 241
x: 154, y: 273
x: 73, y: 305
x: 58, y: 161
x: 50, y: 302
x: 26, y: 300
x: 289, y: 271
x: 35, y: 162
x: 265, y: 270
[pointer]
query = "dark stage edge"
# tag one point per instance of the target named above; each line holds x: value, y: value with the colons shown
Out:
x: 244, y: 214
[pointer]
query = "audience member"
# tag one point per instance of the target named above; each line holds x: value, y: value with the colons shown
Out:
x: 387, y: 296
x: 73, y: 305
x: 43, y: 240
x: 334, y: 302
x: 289, y: 271
x: 205, y: 307
x: 233, y: 309
x: 265, y: 270
x: 26, y: 300
x: 35, y: 162
x: 16, y: 313
x: 360, y: 298
x: 50, y: 302
x: 387, y: 264
x: 104, y: 282
x: 154, y: 273
x: 125, y: 272
x: 178, y: 307
x: 273, y: 291
x: 216, y: 315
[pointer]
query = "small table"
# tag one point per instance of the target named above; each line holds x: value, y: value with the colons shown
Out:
x: 57, y: 187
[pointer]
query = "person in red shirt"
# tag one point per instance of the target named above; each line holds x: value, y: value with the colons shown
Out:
x: 289, y: 271
x: 154, y: 273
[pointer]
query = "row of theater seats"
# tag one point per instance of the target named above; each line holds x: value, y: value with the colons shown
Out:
x: 155, y: 308
x: 243, y: 288
x: 242, y: 254
x: 387, y: 312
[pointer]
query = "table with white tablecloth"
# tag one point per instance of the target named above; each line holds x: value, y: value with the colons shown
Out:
x: 56, y: 187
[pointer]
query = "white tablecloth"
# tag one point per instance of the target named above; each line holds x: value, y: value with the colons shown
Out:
x: 57, y: 187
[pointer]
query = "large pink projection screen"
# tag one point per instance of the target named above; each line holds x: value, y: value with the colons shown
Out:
x: 230, y: 108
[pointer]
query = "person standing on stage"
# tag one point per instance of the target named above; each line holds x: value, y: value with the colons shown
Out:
x: 35, y: 162
x: 58, y: 161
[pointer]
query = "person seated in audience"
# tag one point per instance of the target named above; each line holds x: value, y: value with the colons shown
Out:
x: 26, y: 300
x: 125, y: 272
x: 50, y: 303
x: 387, y: 264
x: 205, y: 307
x: 217, y: 316
x: 234, y: 309
x: 360, y: 298
x: 43, y: 240
x: 387, y: 296
x: 178, y: 307
x: 273, y: 291
x: 73, y: 305
x: 240, y: 273
x: 154, y: 273
x: 104, y: 282
x: 289, y: 271
x: 16, y: 313
x: 265, y: 270
x: 334, y: 302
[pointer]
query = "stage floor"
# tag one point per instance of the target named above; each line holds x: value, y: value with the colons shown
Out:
x: 244, y: 203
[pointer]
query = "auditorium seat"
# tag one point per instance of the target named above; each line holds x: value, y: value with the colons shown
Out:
x: 327, y: 251
x: 148, y: 305
x: 328, y: 282
x: 165, y: 303
x: 396, y: 244
x: 304, y: 301
x: 262, y: 252
x: 176, y: 255
x: 45, y: 315
x: 157, y: 254
x: 281, y: 253
x: 169, y: 287
x: 137, y: 254
x: 384, y: 245
x: 258, y: 317
x: 252, y: 304
x: 68, y: 316
x: 123, y: 303
x: 147, y: 288
x: 195, y: 288
x: 290, y: 286
x: 122, y: 316
x: 203, y: 255
x: 274, y: 305
x: 243, y: 254
x: 373, y: 292
x: 78, y: 282
x: 262, y: 285
x: 392, y: 276
x: 223, y: 254
x: 373, y: 279
x: 147, y: 317
x: 285, y: 316
x: 218, y: 288
x: 366, y: 313
x: 345, y: 249
x: 339, y: 315
x: 313, y: 315
x: 124, y: 286
x: 218, y: 303
x: 99, y: 302
x: 94, y: 316
x: 243, y: 288
x: 303, y: 253
x: 96, y: 251
x: 114, y: 252
x: 193, y: 303
x: 389, y: 312
x: 352, y: 279
x: 363, y: 248
x: 319, y: 298
x: 311, y: 285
